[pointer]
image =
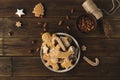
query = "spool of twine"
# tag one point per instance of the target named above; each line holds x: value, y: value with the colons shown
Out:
x: 91, y: 8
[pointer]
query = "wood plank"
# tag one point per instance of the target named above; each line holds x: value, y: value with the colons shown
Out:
x: 59, y: 78
x: 1, y: 46
x: 50, y: 12
x: 100, y: 47
x: 1, y: 35
x: 50, y: 7
x: 5, y: 78
x: 33, y: 2
x: 2, y: 25
x: 30, y: 27
x: 54, y: 21
x: 53, y: 8
x: 56, y: 9
x: 66, y: 78
x: 21, y: 46
x: 5, y: 66
x: 32, y: 66
x: 95, y: 47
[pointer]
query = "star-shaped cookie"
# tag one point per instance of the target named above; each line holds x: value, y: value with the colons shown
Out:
x: 19, y: 12
x: 66, y: 64
x: 18, y: 24
x: 83, y: 48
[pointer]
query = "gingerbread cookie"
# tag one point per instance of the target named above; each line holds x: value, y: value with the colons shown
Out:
x: 60, y: 54
x: 46, y: 38
x: 54, y: 37
x: 66, y: 41
x: 38, y: 10
x: 67, y: 63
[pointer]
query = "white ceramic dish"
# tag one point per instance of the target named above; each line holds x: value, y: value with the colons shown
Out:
x: 77, y: 53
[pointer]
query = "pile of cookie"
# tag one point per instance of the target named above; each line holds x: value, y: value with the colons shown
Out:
x: 57, y: 51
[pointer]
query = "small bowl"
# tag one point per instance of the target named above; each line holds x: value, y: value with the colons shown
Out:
x: 86, y: 23
x: 77, y: 50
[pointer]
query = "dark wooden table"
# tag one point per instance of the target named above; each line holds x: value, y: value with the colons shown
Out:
x: 17, y: 63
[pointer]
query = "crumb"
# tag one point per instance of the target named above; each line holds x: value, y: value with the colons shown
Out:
x: 67, y: 17
x: 72, y: 11
x: 44, y: 29
x: 83, y: 48
x: 68, y: 28
x: 41, y: 33
x: 60, y: 23
x: 31, y: 51
x: 45, y: 24
x: 10, y: 33
x: 41, y: 16
x: 39, y: 23
x: 34, y: 41
x: 37, y: 49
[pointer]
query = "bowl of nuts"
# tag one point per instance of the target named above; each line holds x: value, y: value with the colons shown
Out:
x: 86, y: 23
x: 60, y: 52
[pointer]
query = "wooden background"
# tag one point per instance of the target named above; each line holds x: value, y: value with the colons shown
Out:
x: 16, y: 63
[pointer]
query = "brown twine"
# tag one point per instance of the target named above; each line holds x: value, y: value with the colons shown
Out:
x: 90, y: 7
x: 112, y: 10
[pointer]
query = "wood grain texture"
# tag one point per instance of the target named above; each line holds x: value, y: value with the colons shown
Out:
x: 21, y: 46
x: 16, y: 61
x: 1, y: 46
x: 32, y: 66
x: 52, y: 9
x: 5, y: 66
x: 58, y: 78
x: 95, y: 47
x: 30, y: 27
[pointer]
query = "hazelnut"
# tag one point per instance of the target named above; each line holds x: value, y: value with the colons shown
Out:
x: 60, y: 23
x: 10, y: 33
x: 37, y: 49
x: 39, y: 23
x: 31, y: 51
x: 34, y: 41
x: 72, y: 10
x: 45, y: 24
x: 67, y: 17
x: 68, y: 27
x: 44, y: 29
x: 41, y: 33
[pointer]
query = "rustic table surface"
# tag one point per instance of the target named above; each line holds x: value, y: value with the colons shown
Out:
x: 18, y: 63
